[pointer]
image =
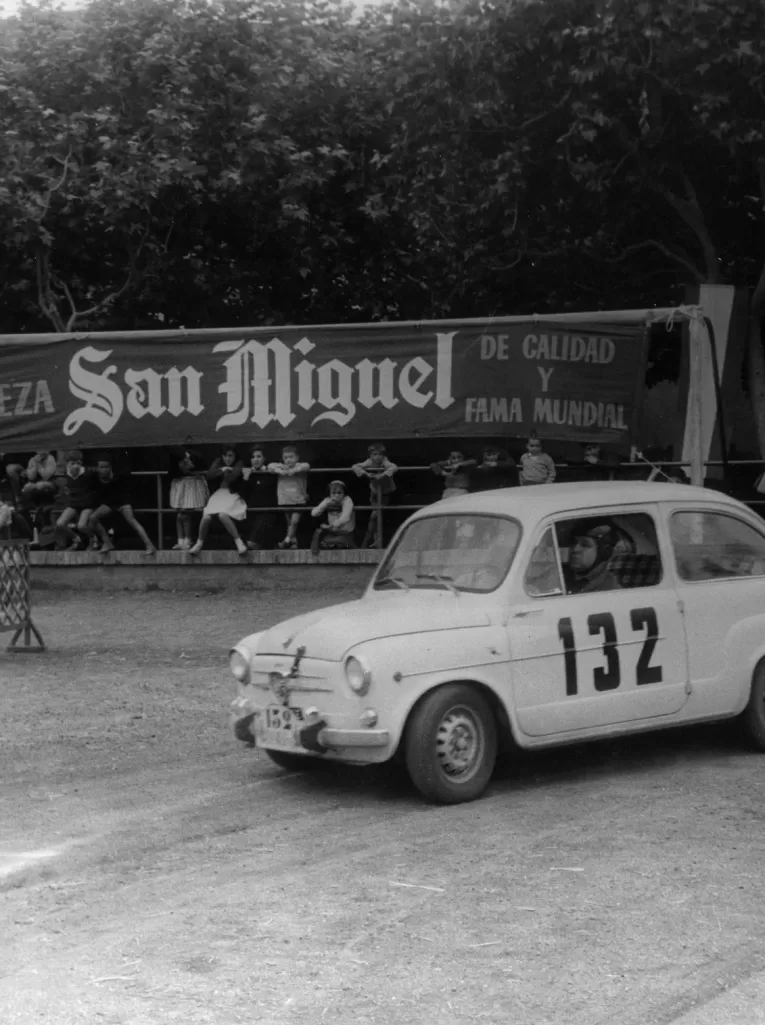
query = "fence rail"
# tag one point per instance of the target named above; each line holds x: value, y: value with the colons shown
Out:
x: 162, y: 511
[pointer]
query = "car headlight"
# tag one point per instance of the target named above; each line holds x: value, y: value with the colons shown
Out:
x: 358, y: 676
x: 240, y: 666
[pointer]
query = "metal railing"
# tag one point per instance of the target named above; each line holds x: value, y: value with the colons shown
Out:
x: 160, y: 510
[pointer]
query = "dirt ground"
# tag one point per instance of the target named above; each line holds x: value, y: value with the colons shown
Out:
x: 179, y: 876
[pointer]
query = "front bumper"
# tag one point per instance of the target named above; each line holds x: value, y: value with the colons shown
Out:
x: 246, y: 723
x: 353, y: 738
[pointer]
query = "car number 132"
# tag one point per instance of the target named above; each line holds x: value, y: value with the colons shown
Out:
x: 608, y: 676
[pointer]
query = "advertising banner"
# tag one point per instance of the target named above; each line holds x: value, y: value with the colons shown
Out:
x: 576, y: 382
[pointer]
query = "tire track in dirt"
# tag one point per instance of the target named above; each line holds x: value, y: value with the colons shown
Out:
x: 377, y: 922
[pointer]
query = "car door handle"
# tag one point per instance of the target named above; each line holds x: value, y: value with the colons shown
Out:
x: 527, y: 612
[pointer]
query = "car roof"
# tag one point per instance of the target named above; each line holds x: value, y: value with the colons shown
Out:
x: 538, y: 501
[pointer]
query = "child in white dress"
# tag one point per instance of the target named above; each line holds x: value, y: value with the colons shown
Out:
x: 188, y: 491
x: 225, y: 502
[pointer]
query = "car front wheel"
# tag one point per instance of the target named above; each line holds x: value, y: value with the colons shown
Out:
x: 753, y: 717
x: 451, y: 744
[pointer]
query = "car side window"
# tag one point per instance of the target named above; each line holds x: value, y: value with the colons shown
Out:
x: 543, y: 572
x: 715, y: 546
x: 610, y: 552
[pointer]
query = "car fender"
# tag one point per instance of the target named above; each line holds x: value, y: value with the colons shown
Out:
x: 744, y: 649
x: 403, y: 674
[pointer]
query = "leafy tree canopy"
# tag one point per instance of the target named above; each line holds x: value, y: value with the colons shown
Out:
x: 249, y: 161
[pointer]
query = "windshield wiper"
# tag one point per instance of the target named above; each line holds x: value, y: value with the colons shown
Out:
x: 392, y: 580
x: 442, y: 578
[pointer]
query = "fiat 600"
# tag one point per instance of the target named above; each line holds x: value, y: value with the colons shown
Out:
x: 528, y: 617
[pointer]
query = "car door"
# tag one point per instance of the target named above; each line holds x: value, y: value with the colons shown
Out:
x: 585, y: 659
x: 720, y: 569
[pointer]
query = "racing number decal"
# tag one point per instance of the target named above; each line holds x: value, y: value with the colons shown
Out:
x: 646, y: 619
x: 608, y: 677
x: 566, y: 634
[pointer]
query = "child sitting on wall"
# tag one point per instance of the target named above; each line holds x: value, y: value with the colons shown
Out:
x: 337, y: 532
x: 80, y: 502
x: 226, y: 503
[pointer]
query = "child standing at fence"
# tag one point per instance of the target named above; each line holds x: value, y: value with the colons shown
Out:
x: 536, y: 466
x: 456, y: 473
x: 291, y: 489
x: 497, y: 469
x: 79, y: 503
x: 337, y: 532
x: 379, y: 470
x: 259, y: 492
x: 188, y: 492
x: 226, y: 503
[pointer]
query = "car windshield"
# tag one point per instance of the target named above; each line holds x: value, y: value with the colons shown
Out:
x: 467, y: 552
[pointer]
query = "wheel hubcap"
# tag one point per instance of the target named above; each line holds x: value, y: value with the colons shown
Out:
x: 459, y: 743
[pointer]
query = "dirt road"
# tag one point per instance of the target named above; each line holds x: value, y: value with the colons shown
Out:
x: 179, y: 877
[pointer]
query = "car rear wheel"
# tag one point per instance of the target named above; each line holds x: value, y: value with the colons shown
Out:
x: 451, y: 744
x: 753, y: 717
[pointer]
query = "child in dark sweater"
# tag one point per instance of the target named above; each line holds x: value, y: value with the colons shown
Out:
x: 496, y: 470
x: 259, y: 491
x: 379, y: 469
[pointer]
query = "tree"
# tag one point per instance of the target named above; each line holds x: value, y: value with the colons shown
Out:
x: 666, y: 131
x: 197, y: 162
x: 172, y: 147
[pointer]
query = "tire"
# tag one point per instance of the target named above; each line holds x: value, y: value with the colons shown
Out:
x: 290, y: 762
x: 450, y: 745
x: 753, y: 716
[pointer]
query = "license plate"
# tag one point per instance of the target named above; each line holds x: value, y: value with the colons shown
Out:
x: 281, y: 726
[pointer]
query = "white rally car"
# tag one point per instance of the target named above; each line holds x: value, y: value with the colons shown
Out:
x: 534, y: 617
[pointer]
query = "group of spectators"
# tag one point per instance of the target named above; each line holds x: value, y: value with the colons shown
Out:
x: 57, y: 490
x: 260, y: 504
x: 231, y: 488
x: 498, y: 469
x: 56, y: 495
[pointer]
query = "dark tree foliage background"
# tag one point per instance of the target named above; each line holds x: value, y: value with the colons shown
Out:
x: 226, y: 162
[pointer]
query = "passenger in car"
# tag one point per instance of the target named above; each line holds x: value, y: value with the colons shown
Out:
x: 588, y: 566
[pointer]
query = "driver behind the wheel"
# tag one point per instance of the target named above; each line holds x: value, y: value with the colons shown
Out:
x: 589, y: 555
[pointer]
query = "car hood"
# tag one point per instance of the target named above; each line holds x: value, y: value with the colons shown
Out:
x: 331, y: 632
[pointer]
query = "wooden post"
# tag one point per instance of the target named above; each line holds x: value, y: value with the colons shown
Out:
x: 699, y: 348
